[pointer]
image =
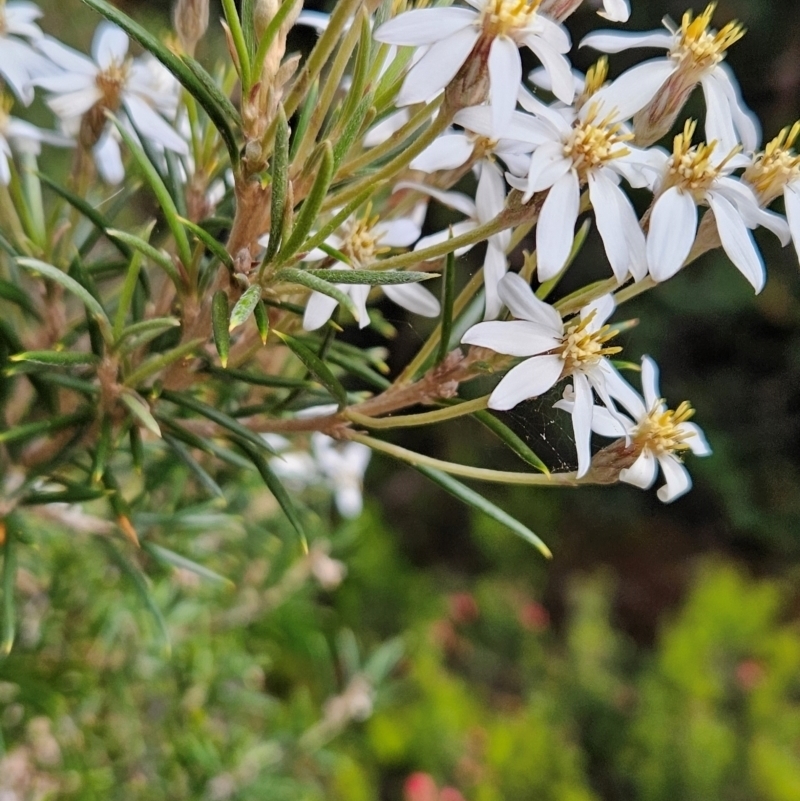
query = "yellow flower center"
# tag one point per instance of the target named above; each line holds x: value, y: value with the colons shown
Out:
x: 690, y: 167
x: 700, y: 48
x: 111, y: 82
x: 661, y: 431
x: 360, y: 243
x: 596, y: 76
x: 776, y: 166
x: 581, y: 348
x: 594, y: 142
x: 502, y: 17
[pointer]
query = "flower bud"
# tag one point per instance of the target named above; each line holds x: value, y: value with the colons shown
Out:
x: 190, y: 18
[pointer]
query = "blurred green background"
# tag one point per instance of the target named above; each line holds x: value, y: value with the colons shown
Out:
x: 656, y: 658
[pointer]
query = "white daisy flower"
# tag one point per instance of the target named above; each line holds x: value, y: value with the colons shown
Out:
x: 659, y: 435
x: 613, y: 10
x: 493, y: 29
x: 553, y: 350
x: 700, y: 175
x: 490, y: 198
x: 21, y: 137
x: 571, y: 150
x: 362, y: 239
x: 658, y: 89
x: 87, y: 88
x: 776, y: 172
x: 20, y: 63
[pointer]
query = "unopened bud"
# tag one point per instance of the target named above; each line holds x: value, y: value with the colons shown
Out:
x: 191, y: 22
x: 263, y: 13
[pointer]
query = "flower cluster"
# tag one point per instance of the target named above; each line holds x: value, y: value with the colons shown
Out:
x: 286, y: 198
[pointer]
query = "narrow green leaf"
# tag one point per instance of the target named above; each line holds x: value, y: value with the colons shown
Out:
x: 448, y: 300
x: 280, y: 183
x: 262, y: 322
x: 102, y: 450
x: 214, y: 246
x: 351, y: 130
x: 98, y: 220
x: 306, y: 112
x: 237, y: 34
x: 263, y: 380
x: 245, y: 306
x: 182, y: 452
x: 185, y: 73
x: 126, y: 294
x: 172, y: 559
x: 153, y: 365
x: 335, y: 254
x: 141, y: 411
x: 306, y: 279
x: 468, y: 496
x: 269, y: 35
x: 218, y: 417
x: 55, y: 358
x: 249, y: 30
x: 140, y: 584
x: 71, y: 495
x: 278, y: 490
x: 205, y: 445
x: 316, y: 366
x: 146, y: 330
x: 137, y: 448
x: 310, y: 209
x: 220, y: 325
x: 518, y: 445
x: 160, y: 191
x: 71, y: 285
x: 369, y: 277
x: 359, y: 369
x: 384, y: 660
x: 159, y: 257
x: 7, y: 528
x: 30, y: 430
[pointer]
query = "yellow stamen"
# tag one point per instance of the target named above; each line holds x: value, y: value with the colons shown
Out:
x: 502, y: 17
x: 701, y: 48
x: 596, y: 76
x: 662, y: 431
x: 360, y: 243
x: 777, y: 166
x: 581, y: 348
x: 594, y: 143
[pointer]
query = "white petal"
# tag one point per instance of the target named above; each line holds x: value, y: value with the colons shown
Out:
x: 523, y: 304
x: 527, y: 380
x: 737, y: 241
x: 745, y: 121
x: 66, y: 58
x: 719, y: 123
x: 437, y: 67
x: 74, y: 104
x: 379, y: 133
x: 424, y: 26
x: 555, y: 34
x: 495, y: 266
x: 557, y: 66
x: 652, y: 395
x: 454, y: 200
x: 616, y: 10
x: 582, y: 422
x: 602, y: 309
x: 442, y: 236
x: 607, y: 425
x: 445, y: 153
x: 634, y: 89
x: 678, y: 479
x: 791, y: 197
x: 555, y: 230
x: 556, y: 117
x: 743, y: 197
x: 697, y: 441
x: 522, y: 127
x: 359, y: 293
x: 108, y: 159
x: 673, y: 226
x: 400, y: 233
x: 415, y: 298
x: 617, y: 41
x: 317, y: 20
x: 5, y: 169
x: 150, y: 124
x: 642, y: 473
x: 511, y: 337
x: 621, y: 391
x: 490, y: 196
x: 318, y: 311
x: 547, y: 166
x: 109, y: 45
x: 349, y: 502
x: 505, y: 75
x: 619, y: 227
